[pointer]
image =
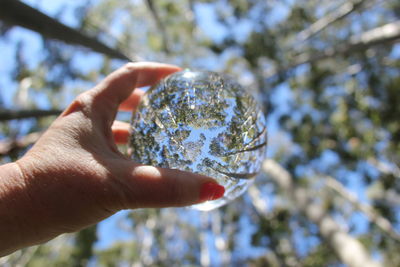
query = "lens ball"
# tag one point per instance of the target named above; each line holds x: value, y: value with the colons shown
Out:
x: 202, y: 122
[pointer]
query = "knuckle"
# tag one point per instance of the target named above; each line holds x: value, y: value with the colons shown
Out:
x: 130, y: 66
x: 81, y: 103
x: 84, y: 99
x: 176, y: 193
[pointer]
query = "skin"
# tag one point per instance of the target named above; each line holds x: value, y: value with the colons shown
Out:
x: 74, y: 176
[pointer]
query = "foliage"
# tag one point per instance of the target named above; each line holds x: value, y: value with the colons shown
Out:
x: 335, y: 115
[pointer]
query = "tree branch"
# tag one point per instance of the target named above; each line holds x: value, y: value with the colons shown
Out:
x: 160, y: 25
x: 387, y: 33
x: 259, y: 203
x: 385, y: 168
x: 348, y: 249
x: 340, y: 13
x: 369, y: 211
x: 7, y: 114
x: 11, y: 145
x: 17, y: 13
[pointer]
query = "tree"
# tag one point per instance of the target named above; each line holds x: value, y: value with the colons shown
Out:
x: 332, y: 107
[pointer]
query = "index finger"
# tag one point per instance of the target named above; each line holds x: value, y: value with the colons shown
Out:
x: 118, y: 86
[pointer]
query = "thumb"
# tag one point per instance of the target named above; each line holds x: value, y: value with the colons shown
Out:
x: 153, y: 187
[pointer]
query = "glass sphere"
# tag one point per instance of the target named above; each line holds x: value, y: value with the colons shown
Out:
x: 201, y: 122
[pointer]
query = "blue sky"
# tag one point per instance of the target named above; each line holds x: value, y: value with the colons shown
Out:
x: 109, y: 230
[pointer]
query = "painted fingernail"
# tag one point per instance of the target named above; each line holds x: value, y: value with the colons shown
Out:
x: 211, y: 191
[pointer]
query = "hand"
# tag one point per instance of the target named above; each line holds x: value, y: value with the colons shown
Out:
x: 74, y: 176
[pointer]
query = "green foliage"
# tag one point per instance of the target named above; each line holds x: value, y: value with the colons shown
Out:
x: 336, y: 116
x: 83, y: 247
x: 117, y: 255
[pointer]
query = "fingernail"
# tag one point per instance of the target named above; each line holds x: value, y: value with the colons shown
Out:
x: 211, y: 191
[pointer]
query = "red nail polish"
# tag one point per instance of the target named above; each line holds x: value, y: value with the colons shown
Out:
x: 211, y: 191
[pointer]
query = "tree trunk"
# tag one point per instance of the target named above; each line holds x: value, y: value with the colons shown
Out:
x: 369, y: 211
x: 17, y: 13
x: 385, y: 34
x: 348, y: 249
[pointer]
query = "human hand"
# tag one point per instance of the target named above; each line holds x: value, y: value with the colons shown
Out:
x: 74, y: 176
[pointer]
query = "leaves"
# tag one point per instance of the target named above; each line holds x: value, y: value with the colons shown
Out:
x: 333, y: 111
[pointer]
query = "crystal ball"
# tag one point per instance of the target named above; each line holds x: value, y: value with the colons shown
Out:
x: 202, y: 122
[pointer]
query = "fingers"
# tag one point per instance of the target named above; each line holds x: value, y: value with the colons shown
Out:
x: 121, y: 129
x: 118, y: 86
x: 132, y: 101
x: 151, y: 187
x: 120, y: 132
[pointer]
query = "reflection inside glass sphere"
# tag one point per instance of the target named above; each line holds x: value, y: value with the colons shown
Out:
x: 202, y: 122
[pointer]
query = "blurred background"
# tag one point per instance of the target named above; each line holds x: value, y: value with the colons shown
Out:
x: 327, y: 74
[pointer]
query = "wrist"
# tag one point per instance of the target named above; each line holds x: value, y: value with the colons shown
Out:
x: 16, y: 210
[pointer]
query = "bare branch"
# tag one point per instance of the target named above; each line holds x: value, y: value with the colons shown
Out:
x: 11, y: 145
x: 259, y: 203
x: 386, y: 34
x: 247, y: 149
x: 17, y: 13
x: 237, y: 175
x: 385, y: 168
x: 340, y: 13
x: 369, y: 211
x: 348, y: 249
x: 160, y: 24
x: 7, y: 114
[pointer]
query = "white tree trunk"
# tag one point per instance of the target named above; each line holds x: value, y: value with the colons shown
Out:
x: 369, y: 211
x: 385, y: 34
x: 348, y: 249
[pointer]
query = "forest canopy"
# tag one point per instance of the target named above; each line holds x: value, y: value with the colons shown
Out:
x: 327, y: 74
